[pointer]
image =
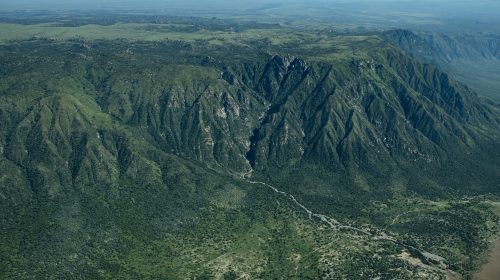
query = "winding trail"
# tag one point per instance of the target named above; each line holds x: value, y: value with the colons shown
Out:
x: 432, y: 261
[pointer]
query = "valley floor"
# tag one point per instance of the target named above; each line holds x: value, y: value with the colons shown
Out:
x: 491, y: 270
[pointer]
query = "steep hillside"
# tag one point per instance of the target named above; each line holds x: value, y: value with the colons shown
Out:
x: 473, y: 59
x: 434, y: 46
x: 142, y: 160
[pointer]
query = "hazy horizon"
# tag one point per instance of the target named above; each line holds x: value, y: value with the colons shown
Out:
x: 486, y: 7
x: 444, y: 15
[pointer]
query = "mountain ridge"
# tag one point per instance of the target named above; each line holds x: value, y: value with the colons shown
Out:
x: 471, y: 58
x: 114, y: 151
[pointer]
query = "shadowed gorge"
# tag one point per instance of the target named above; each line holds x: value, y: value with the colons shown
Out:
x: 258, y: 152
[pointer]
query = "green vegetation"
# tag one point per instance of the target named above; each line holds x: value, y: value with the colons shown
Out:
x: 473, y: 59
x: 134, y: 150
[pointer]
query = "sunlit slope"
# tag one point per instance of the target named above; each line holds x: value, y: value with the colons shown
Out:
x: 128, y: 158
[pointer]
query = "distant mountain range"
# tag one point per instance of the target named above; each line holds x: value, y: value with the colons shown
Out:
x: 474, y: 59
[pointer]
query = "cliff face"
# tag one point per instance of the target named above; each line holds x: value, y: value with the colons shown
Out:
x: 264, y: 114
x: 122, y: 142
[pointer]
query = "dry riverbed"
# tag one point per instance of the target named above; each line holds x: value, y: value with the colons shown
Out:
x: 491, y: 270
